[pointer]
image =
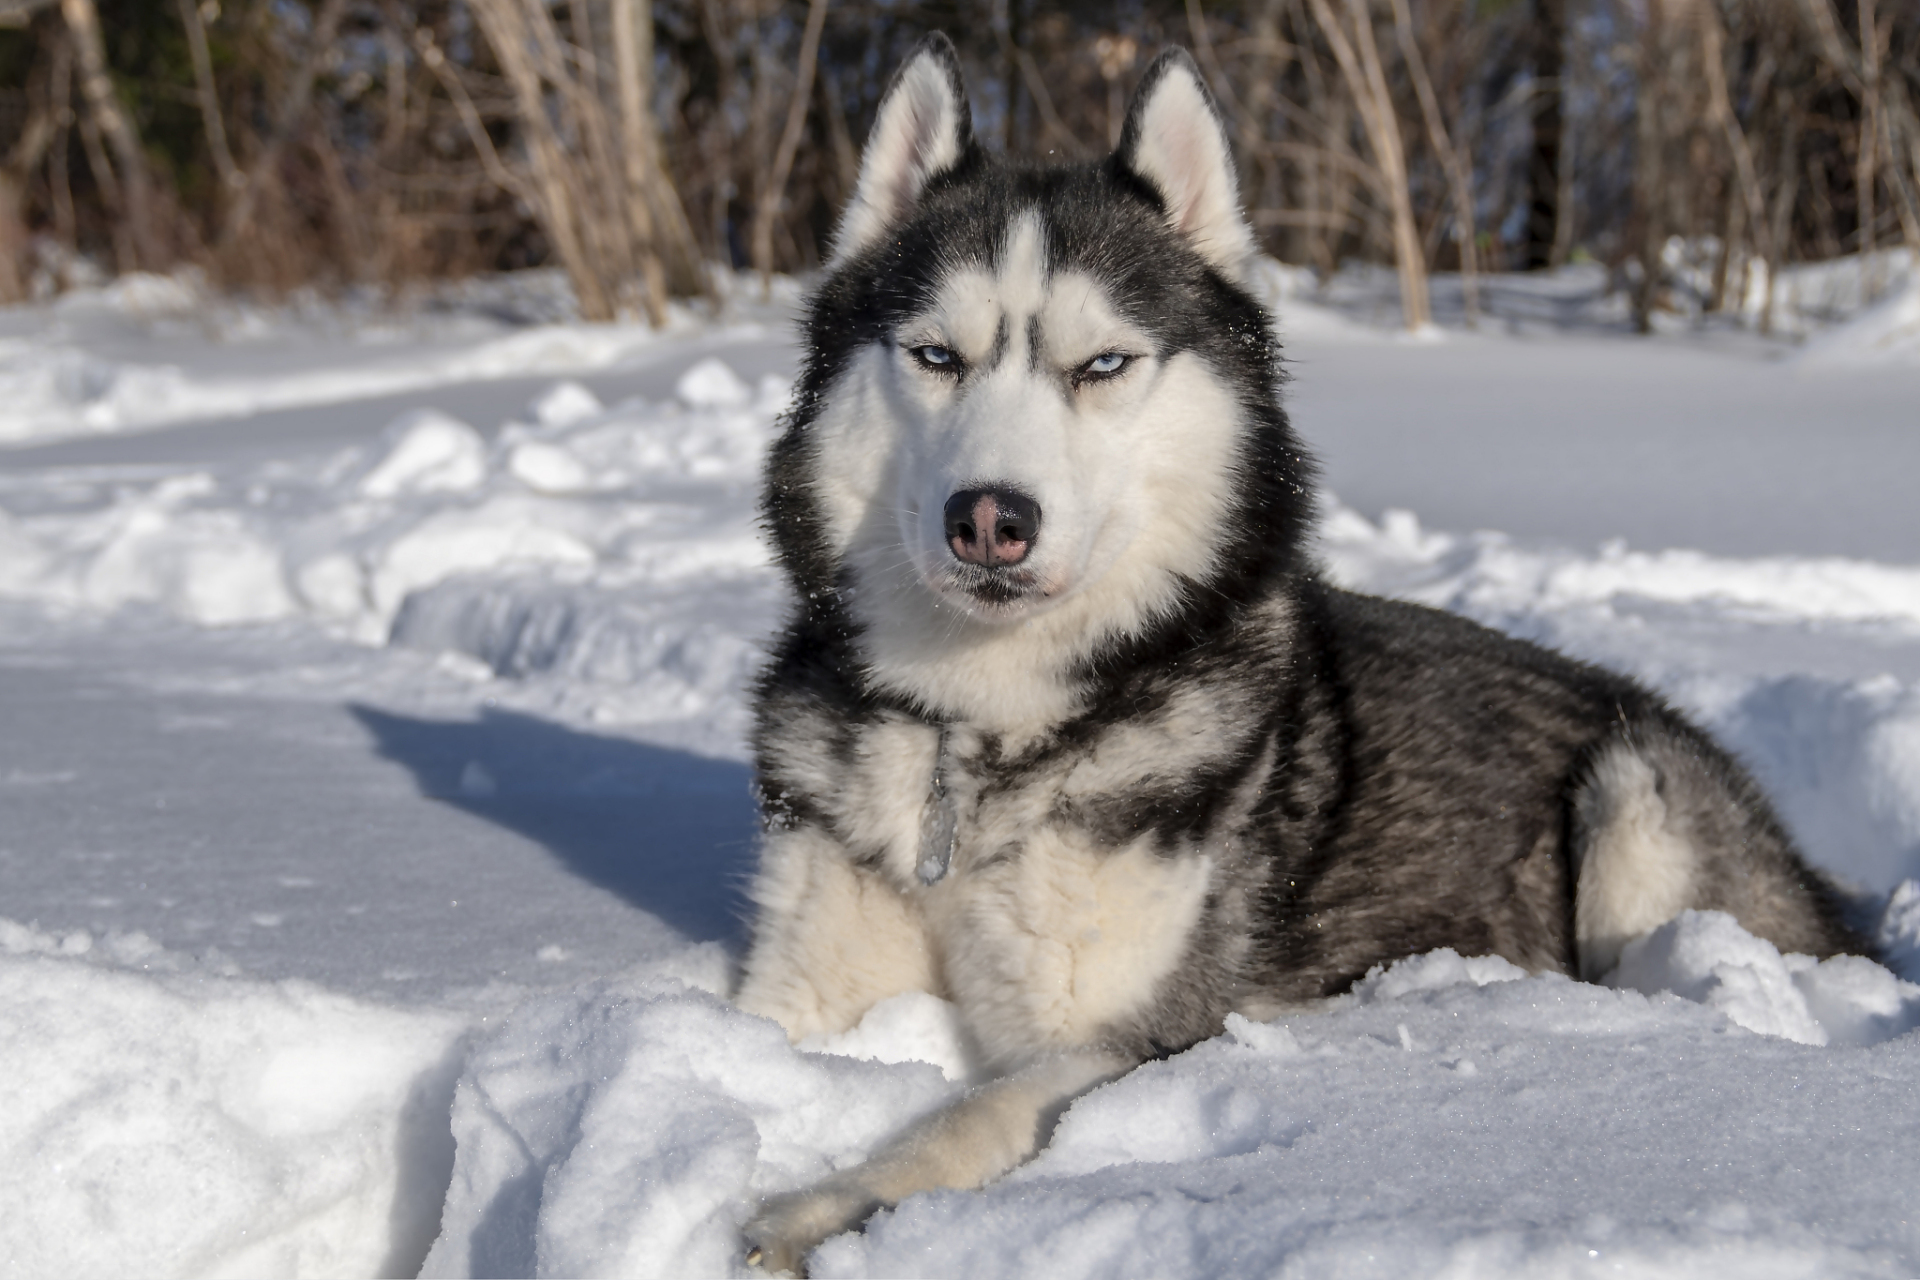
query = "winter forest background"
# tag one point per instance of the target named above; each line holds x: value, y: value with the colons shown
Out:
x: 284, y: 143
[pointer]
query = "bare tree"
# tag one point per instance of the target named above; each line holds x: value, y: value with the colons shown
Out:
x: 775, y: 189
x: 130, y: 187
x: 1358, y: 54
x: 1453, y: 157
x: 208, y: 96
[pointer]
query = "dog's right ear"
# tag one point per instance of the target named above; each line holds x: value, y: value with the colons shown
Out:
x: 923, y: 129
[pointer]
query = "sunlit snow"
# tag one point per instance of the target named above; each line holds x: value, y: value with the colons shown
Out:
x: 375, y: 811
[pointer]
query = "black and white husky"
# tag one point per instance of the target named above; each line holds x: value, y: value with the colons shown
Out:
x: 1065, y: 726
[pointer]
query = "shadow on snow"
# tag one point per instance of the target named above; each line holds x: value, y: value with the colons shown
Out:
x: 668, y: 831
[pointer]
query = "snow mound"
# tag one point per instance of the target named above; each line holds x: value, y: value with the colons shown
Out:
x: 629, y: 1130
x: 177, y: 1124
x: 629, y: 1125
x: 426, y: 452
x: 1885, y: 331
x: 1485, y: 575
x: 911, y: 1027
x: 1899, y: 934
x: 1842, y: 759
x: 1434, y: 971
x: 1707, y: 957
x: 711, y: 384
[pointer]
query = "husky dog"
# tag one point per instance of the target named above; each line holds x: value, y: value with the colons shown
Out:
x: 1066, y: 728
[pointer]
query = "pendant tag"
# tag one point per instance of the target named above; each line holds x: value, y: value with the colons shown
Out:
x: 939, y: 824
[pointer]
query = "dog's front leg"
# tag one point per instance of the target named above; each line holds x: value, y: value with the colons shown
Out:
x: 832, y: 938
x: 990, y: 1131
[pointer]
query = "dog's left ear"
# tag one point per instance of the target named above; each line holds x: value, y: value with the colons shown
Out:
x: 1174, y: 140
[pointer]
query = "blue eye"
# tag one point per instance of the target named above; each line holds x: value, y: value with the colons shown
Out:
x: 936, y: 357
x: 1105, y: 365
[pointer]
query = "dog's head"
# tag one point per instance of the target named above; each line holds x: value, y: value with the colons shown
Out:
x: 1039, y: 414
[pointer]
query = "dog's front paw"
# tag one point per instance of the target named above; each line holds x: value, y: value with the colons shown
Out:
x: 788, y: 1227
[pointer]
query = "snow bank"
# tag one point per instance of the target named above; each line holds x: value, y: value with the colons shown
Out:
x: 78, y: 369
x: 165, y: 1120
x: 170, y: 1117
x: 1885, y: 332
x: 628, y: 1129
x: 605, y: 545
x: 52, y: 392
x: 1486, y: 575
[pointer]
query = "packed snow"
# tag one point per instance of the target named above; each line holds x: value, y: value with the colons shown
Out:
x: 376, y: 809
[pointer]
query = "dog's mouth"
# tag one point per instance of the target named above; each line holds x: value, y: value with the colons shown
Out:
x: 993, y: 592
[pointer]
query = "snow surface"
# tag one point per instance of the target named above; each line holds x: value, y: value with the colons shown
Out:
x: 375, y: 811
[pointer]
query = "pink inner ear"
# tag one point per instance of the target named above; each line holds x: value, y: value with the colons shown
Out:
x: 1190, y: 144
x: 910, y: 176
x: 1183, y: 153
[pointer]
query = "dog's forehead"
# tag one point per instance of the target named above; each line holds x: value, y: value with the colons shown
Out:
x: 1018, y: 288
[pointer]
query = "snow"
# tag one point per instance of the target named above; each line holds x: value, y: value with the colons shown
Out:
x: 65, y: 375
x: 186, y: 1122
x: 376, y: 809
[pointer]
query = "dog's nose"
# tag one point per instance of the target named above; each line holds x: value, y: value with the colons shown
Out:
x: 992, y: 526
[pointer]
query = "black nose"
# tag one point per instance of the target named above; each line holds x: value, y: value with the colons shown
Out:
x: 992, y: 526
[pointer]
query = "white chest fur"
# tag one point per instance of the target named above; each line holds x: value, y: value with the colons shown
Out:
x: 1040, y: 931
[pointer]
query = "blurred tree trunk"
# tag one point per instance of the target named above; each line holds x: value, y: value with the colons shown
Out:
x: 207, y: 94
x: 600, y: 203
x: 776, y: 185
x: 1359, y: 57
x: 1748, y: 208
x: 1658, y: 67
x: 557, y: 186
x: 1868, y: 151
x: 1453, y: 157
x: 27, y: 153
x: 13, y: 243
x: 1549, y: 32
x: 262, y: 171
x: 671, y: 258
x: 131, y: 183
x: 1785, y: 195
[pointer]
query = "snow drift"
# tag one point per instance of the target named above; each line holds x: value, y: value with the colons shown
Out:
x: 172, y: 1121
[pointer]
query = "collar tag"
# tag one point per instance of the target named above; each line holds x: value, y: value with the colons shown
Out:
x: 939, y: 823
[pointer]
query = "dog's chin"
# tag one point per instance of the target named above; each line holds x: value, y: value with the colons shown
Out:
x: 994, y: 595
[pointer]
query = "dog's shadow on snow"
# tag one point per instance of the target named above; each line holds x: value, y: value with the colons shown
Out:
x: 669, y: 831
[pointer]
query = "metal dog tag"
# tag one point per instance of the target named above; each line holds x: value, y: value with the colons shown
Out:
x: 939, y: 824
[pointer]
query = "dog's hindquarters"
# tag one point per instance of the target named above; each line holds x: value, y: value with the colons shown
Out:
x: 1505, y: 799
x: 1663, y: 821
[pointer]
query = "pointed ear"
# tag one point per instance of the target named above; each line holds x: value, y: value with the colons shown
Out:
x: 1175, y: 141
x: 923, y: 129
